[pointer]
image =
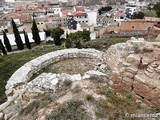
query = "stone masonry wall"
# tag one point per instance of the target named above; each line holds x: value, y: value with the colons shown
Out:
x: 135, y: 69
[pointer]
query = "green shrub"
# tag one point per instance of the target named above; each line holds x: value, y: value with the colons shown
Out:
x: 89, y: 97
x: 27, y: 109
x: 70, y: 110
x: 67, y: 82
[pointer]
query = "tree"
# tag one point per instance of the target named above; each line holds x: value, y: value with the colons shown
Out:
x: 138, y: 15
x: 35, y: 33
x: 150, y: 13
x: 2, y: 48
x: 27, y: 40
x: 56, y: 34
x: 18, y: 39
x: 6, y: 42
x: 79, y: 38
x: 157, y: 9
x: 104, y: 9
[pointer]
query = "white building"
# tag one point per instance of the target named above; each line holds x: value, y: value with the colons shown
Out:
x: 64, y: 1
x: 92, y: 17
x: 57, y: 10
x: 119, y: 17
x: 9, y: 0
x: 130, y: 9
x: 81, y: 17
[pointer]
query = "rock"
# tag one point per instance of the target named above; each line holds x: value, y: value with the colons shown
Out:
x: 128, y: 75
x: 144, y: 61
x: 54, y: 81
x: 150, y: 70
x: 76, y: 77
x: 64, y: 76
x: 154, y: 65
x: 103, y: 68
x: 4, y: 105
x: 86, y: 77
x: 9, y: 92
x: 53, y: 76
x: 8, y: 116
x: 126, y: 64
x: 131, y: 70
x: 126, y: 79
x: 151, y: 75
x: 138, y: 101
x: 93, y: 72
x: 148, y: 47
x: 158, y: 71
x: 1, y: 116
x: 134, y: 59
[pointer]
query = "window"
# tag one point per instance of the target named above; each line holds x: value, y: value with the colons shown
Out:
x: 86, y: 21
x: 83, y: 21
x: 85, y: 16
x: 132, y: 26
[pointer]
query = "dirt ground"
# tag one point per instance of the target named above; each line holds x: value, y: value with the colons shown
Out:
x: 74, y: 65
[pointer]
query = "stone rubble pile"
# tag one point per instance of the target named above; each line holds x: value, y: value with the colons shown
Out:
x: 48, y: 81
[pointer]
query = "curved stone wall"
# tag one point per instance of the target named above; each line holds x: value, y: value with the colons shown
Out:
x: 24, y: 73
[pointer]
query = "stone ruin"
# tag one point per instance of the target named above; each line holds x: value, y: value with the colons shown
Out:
x: 135, y: 69
x: 131, y: 68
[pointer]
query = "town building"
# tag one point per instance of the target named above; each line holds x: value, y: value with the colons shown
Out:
x: 119, y: 17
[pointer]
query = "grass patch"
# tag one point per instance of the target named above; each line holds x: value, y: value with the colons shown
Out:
x: 10, y: 63
x: 45, y: 100
x: 47, y: 69
x: 105, y: 42
x: 155, y: 109
x: 28, y: 109
x: 70, y: 110
x: 76, y: 89
x: 114, y: 105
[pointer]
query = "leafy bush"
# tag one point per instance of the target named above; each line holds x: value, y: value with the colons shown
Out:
x: 89, y: 97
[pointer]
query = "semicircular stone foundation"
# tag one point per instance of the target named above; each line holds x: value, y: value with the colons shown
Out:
x: 23, y: 74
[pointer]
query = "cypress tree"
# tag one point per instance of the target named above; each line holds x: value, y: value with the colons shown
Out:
x: 35, y: 33
x: 2, y: 48
x: 6, y: 42
x: 27, y: 40
x: 18, y: 39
